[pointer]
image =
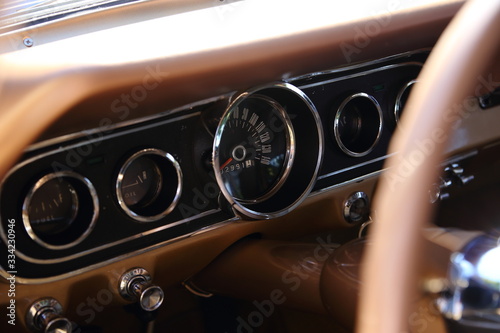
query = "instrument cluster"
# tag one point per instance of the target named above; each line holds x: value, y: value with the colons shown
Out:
x: 82, y: 200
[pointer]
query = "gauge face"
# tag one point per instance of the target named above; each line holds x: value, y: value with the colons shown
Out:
x: 254, y: 148
x: 149, y: 185
x: 60, y: 210
x: 53, y: 207
x: 141, y: 184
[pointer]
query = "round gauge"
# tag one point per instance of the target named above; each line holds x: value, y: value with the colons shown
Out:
x: 60, y: 210
x: 265, y: 161
x: 358, y: 124
x: 142, y: 182
x: 254, y: 148
x: 53, y: 207
x: 148, y: 185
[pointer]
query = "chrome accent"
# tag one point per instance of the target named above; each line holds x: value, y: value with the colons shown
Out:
x: 398, y: 107
x: 355, y: 75
x: 27, y: 201
x: 195, y: 290
x: 364, y: 227
x: 473, y: 295
x: 453, y: 175
x: 46, y: 315
x: 109, y: 245
x: 237, y: 205
x: 337, y: 121
x: 35, y: 14
x: 121, y: 173
x: 350, y: 203
x: 348, y: 182
x: 136, y: 285
x: 364, y: 64
x: 28, y: 42
x: 331, y: 174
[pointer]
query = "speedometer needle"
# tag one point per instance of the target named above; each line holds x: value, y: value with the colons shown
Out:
x: 227, y: 162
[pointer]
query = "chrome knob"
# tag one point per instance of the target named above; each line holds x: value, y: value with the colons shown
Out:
x: 46, y: 315
x: 473, y: 293
x: 136, y: 286
x: 453, y: 176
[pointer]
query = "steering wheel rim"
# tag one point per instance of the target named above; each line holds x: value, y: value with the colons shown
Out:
x: 389, y: 272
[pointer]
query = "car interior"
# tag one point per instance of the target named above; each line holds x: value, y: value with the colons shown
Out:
x: 249, y: 166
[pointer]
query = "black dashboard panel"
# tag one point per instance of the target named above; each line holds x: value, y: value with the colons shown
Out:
x: 383, y: 83
x: 99, y: 160
x: 187, y: 136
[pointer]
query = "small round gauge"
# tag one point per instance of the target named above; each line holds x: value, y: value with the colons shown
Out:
x: 358, y: 124
x: 53, y: 207
x: 148, y: 185
x: 254, y: 148
x: 142, y: 182
x: 60, y: 210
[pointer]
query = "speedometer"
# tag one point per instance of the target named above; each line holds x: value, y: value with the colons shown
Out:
x: 255, y: 147
x: 267, y: 151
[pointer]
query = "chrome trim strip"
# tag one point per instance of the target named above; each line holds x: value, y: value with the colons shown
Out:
x: 115, y: 243
x: 381, y: 158
x: 452, y: 159
x: 362, y: 64
x: 336, y: 124
x: 63, y: 13
x: 116, y: 126
x: 178, y: 192
x: 27, y: 202
x: 347, y: 182
x: 370, y: 71
x: 21, y: 280
x: 398, y: 107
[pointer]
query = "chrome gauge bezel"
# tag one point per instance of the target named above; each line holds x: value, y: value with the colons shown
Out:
x: 273, y: 209
x: 336, y: 125
x: 399, y: 105
x: 119, y: 182
x: 59, y: 175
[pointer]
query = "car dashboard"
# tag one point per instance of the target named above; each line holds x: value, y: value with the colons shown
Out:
x: 164, y: 147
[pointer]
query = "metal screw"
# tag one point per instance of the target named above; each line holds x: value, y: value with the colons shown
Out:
x: 28, y: 42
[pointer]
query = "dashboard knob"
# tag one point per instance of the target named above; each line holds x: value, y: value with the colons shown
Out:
x: 136, y: 285
x: 45, y: 315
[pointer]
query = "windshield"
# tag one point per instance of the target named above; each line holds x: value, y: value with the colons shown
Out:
x: 18, y: 14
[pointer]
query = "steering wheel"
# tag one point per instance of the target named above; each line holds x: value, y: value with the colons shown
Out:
x: 389, y: 272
